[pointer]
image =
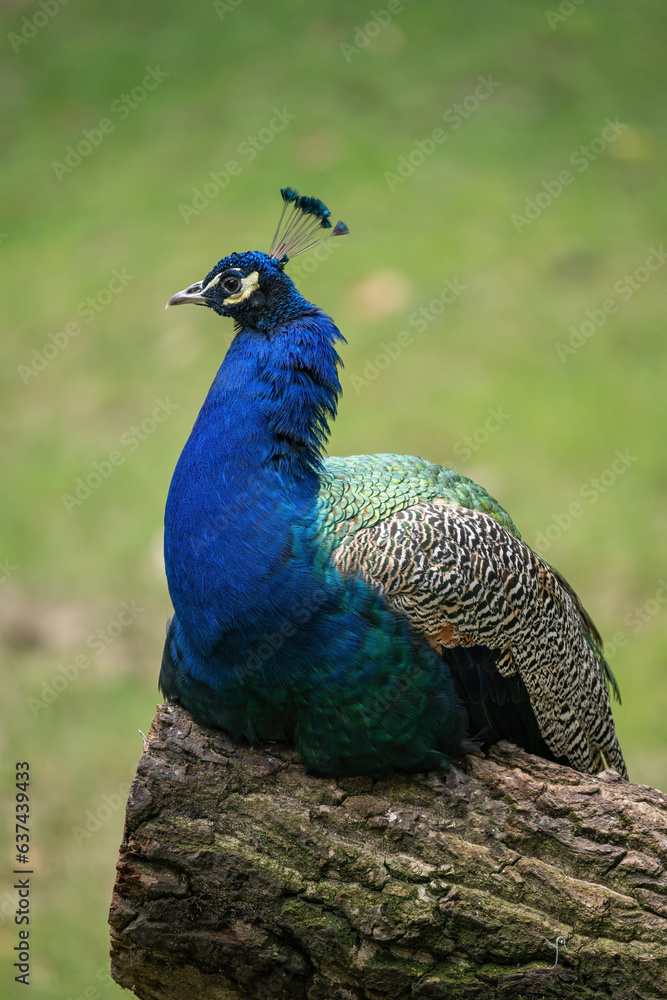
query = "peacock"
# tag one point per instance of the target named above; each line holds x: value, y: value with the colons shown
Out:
x: 379, y: 612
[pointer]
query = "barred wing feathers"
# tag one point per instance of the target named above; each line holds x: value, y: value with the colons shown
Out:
x: 448, y: 557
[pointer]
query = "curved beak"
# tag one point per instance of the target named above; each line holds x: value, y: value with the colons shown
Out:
x: 190, y: 294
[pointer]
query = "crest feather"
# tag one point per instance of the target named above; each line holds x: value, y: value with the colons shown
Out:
x: 301, y: 219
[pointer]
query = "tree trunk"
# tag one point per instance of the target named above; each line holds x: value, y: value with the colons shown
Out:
x: 240, y: 876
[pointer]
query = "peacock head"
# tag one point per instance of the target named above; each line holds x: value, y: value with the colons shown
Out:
x: 252, y: 288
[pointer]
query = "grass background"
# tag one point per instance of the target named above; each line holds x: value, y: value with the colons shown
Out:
x: 356, y: 112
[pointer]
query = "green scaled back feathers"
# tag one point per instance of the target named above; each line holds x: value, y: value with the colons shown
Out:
x: 360, y: 490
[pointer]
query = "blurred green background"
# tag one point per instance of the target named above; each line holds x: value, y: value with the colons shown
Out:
x: 337, y: 100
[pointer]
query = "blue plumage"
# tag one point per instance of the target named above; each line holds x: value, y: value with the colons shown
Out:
x: 287, y: 625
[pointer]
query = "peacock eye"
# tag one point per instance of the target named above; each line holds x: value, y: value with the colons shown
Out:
x: 232, y: 284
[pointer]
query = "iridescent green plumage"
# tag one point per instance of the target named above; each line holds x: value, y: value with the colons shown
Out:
x: 360, y: 490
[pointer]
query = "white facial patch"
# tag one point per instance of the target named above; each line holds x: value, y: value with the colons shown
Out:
x: 250, y: 284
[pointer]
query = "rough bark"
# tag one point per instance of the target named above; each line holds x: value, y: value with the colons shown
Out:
x: 242, y: 877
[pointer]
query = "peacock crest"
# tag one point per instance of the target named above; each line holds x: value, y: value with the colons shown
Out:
x: 301, y: 219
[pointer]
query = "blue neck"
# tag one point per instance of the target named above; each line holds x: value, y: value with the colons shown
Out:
x: 247, y: 479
